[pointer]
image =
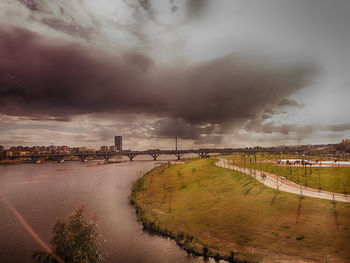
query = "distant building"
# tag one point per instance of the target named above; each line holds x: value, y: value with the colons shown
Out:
x: 74, y: 149
x: 118, y: 143
x: 82, y: 149
x: 7, y: 153
x: 104, y: 148
x: 43, y: 149
x: 112, y: 148
x: 63, y: 149
x: 34, y: 149
x: 52, y: 148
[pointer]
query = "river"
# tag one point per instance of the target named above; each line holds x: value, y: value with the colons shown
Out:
x: 41, y: 193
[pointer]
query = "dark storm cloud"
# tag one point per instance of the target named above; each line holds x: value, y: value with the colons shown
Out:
x: 43, y: 77
x: 178, y: 127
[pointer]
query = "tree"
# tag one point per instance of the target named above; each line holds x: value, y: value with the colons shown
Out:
x: 75, y: 239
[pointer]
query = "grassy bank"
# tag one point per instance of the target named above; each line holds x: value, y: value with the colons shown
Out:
x: 332, y: 179
x: 225, y: 214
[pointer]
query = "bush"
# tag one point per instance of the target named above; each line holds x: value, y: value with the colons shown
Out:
x: 300, y: 237
x: 205, y: 252
x: 75, y: 239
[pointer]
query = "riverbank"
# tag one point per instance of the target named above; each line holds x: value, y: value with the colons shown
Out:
x: 12, y: 162
x: 225, y: 214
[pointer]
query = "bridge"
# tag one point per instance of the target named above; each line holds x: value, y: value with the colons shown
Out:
x: 202, y: 153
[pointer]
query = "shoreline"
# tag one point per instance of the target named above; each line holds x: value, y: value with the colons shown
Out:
x: 13, y: 162
x: 17, y: 162
x: 182, y: 240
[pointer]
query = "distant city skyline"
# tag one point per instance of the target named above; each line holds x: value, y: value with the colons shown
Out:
x: 213, y: 74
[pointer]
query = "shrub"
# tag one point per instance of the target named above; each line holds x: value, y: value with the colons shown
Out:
x: 301, y: 237
x: 75, y: 239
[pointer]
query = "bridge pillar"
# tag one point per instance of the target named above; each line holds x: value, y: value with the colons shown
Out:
x: 60, y: 159
x: 34, y: 159
x: 83, y: 158
x: 107, y: 156
x: 203, y: 154
x: 131, y: 156
x: 155, y: 156
x: 178, y: 155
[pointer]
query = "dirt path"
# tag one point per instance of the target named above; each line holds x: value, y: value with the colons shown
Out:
x: 274, y: 181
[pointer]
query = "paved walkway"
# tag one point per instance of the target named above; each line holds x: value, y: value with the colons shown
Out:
x: 274, y: 181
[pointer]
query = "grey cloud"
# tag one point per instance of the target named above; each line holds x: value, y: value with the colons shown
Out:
x: 31, y: 4
x: 55, y: 16
x: 290, y: 103
x: 142, y: 14
x: 146, y: 4
x: 337, y: 127
x: 70, y: 28
x: 195, y: 8
x: 259, y: 126
x: 141, y: 5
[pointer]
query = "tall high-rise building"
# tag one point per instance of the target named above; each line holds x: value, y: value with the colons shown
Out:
x: 118, y: 143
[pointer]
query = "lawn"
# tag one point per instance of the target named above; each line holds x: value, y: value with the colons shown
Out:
x: 218, y: 211
x: 332, y: 179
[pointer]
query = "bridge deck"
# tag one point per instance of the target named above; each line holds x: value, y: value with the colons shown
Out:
x: 156, y: 153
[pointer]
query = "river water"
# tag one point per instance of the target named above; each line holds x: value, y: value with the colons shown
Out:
x: 41, y: 193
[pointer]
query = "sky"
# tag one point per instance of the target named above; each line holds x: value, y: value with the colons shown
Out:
x: 228, y: 73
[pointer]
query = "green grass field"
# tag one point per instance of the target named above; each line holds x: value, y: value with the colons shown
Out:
x: 332, y: 179
x: 216, y: 211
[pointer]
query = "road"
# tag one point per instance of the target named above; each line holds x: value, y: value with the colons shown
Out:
x: 284, y: 185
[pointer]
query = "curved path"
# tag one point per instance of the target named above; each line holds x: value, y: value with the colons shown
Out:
x: 275, y: 182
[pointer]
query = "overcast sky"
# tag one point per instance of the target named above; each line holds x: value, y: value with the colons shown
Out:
x: 213, y: 73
